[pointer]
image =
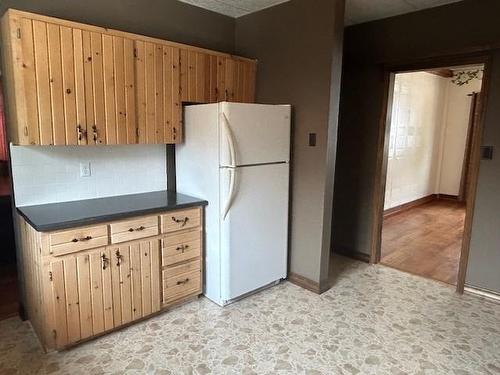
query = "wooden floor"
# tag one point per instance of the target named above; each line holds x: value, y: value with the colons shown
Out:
x: 425, y: 240
x: 9, y: 305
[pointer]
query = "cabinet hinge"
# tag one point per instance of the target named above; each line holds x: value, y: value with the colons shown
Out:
x: 135, y: 52
x: 50, y: 276
x: 137, y: 132
x: 26, y: 131
x: 54, y: 333
x: 18, y: 33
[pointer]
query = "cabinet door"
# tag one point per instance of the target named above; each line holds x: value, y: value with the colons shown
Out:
x: 95, y: 291
x: 245, y: 75
x: 80, y: 296
x: 135, y: 273
x: 171, y: 86
x: 229, y: 79
x: 221, y: 79
x: 240, y: 78
x: 112, y: 80
x: 157, y: 82
x: 249, y: 81
x: 78, y: 86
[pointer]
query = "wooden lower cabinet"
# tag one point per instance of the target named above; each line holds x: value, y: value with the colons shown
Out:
x: 75, y: 288
x: 95, y: 291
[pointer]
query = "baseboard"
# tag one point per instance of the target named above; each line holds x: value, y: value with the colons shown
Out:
x: 482, y: 293
x: 357, y: 255
x: 447, y: 197
x: 417, y: 202
x: 304, y: 282
x: 406, y: 206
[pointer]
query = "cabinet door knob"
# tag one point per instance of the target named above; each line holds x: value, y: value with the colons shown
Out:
x: 105, y: 261
x: 79, y: 132
x: 94, y: 130
x: 119, y: 258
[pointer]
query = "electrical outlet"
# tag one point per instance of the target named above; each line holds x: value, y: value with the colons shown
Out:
x: 85, y: 170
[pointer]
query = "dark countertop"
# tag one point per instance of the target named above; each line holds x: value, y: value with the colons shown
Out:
x: 55, y: 216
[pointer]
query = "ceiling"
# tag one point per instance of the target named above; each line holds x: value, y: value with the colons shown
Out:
x: 234, y: 8
x: 357, y: 11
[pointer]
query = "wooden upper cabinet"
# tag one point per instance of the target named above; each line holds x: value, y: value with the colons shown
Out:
x: 158, y: 95
x: 209, y: 78
x: 74, y: 84
x: 239, y: 80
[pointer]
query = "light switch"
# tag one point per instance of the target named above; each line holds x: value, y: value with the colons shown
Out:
x: 312, y: 139
x: 85, y: 170
x: 487, y: 152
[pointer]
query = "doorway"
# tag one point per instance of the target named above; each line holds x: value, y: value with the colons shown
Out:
x: 429, y: 151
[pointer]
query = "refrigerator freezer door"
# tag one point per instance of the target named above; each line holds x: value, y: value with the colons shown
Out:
x: 254, y: 231
x: 258, y: 133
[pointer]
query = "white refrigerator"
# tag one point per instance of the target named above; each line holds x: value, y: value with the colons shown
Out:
x: 236, y: 156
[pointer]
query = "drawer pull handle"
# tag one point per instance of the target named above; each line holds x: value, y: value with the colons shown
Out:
x: 81, y: 239
x: 137, y: 229
x: 182, y: 248
x: 105, y: 261
x: 180, y: 282
x: 119, y: 258
x: 180, y: 221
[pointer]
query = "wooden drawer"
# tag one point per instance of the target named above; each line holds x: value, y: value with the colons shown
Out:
x: 174, y: 271
x: 133, y: 229
x: 180, y: 220
x: 72, y: 240
x: 183, y: 284
x: 180, y: 247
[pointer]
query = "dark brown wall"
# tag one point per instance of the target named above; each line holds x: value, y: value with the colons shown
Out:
x: 299, y: 48
x: 467, y: 26
x: 166, y: 19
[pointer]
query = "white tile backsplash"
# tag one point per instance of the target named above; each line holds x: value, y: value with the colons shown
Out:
x: 48, y: 174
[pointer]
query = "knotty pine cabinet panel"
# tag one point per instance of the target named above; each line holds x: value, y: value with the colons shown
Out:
x: 158, y: 95
x: 78, y: 86
x: 239, y: 80
x: 74, y: 84
x: 94, y: 291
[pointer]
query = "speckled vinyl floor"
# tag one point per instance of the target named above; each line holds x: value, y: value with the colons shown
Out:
x: 375, y: 320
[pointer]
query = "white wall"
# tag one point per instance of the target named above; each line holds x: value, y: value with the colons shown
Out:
x: 455, y: 135
x: 48, y: 174
x: 415, y: 137
x: 428, y: 136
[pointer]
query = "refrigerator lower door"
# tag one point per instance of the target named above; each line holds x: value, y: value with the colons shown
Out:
x: 254, y: 232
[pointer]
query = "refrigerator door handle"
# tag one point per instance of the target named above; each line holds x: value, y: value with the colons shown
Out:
x: 230, y: 140
x: 231, y: 195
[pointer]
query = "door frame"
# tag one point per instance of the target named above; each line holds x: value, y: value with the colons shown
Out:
x: 471, y: 128
x: 390, y: 71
